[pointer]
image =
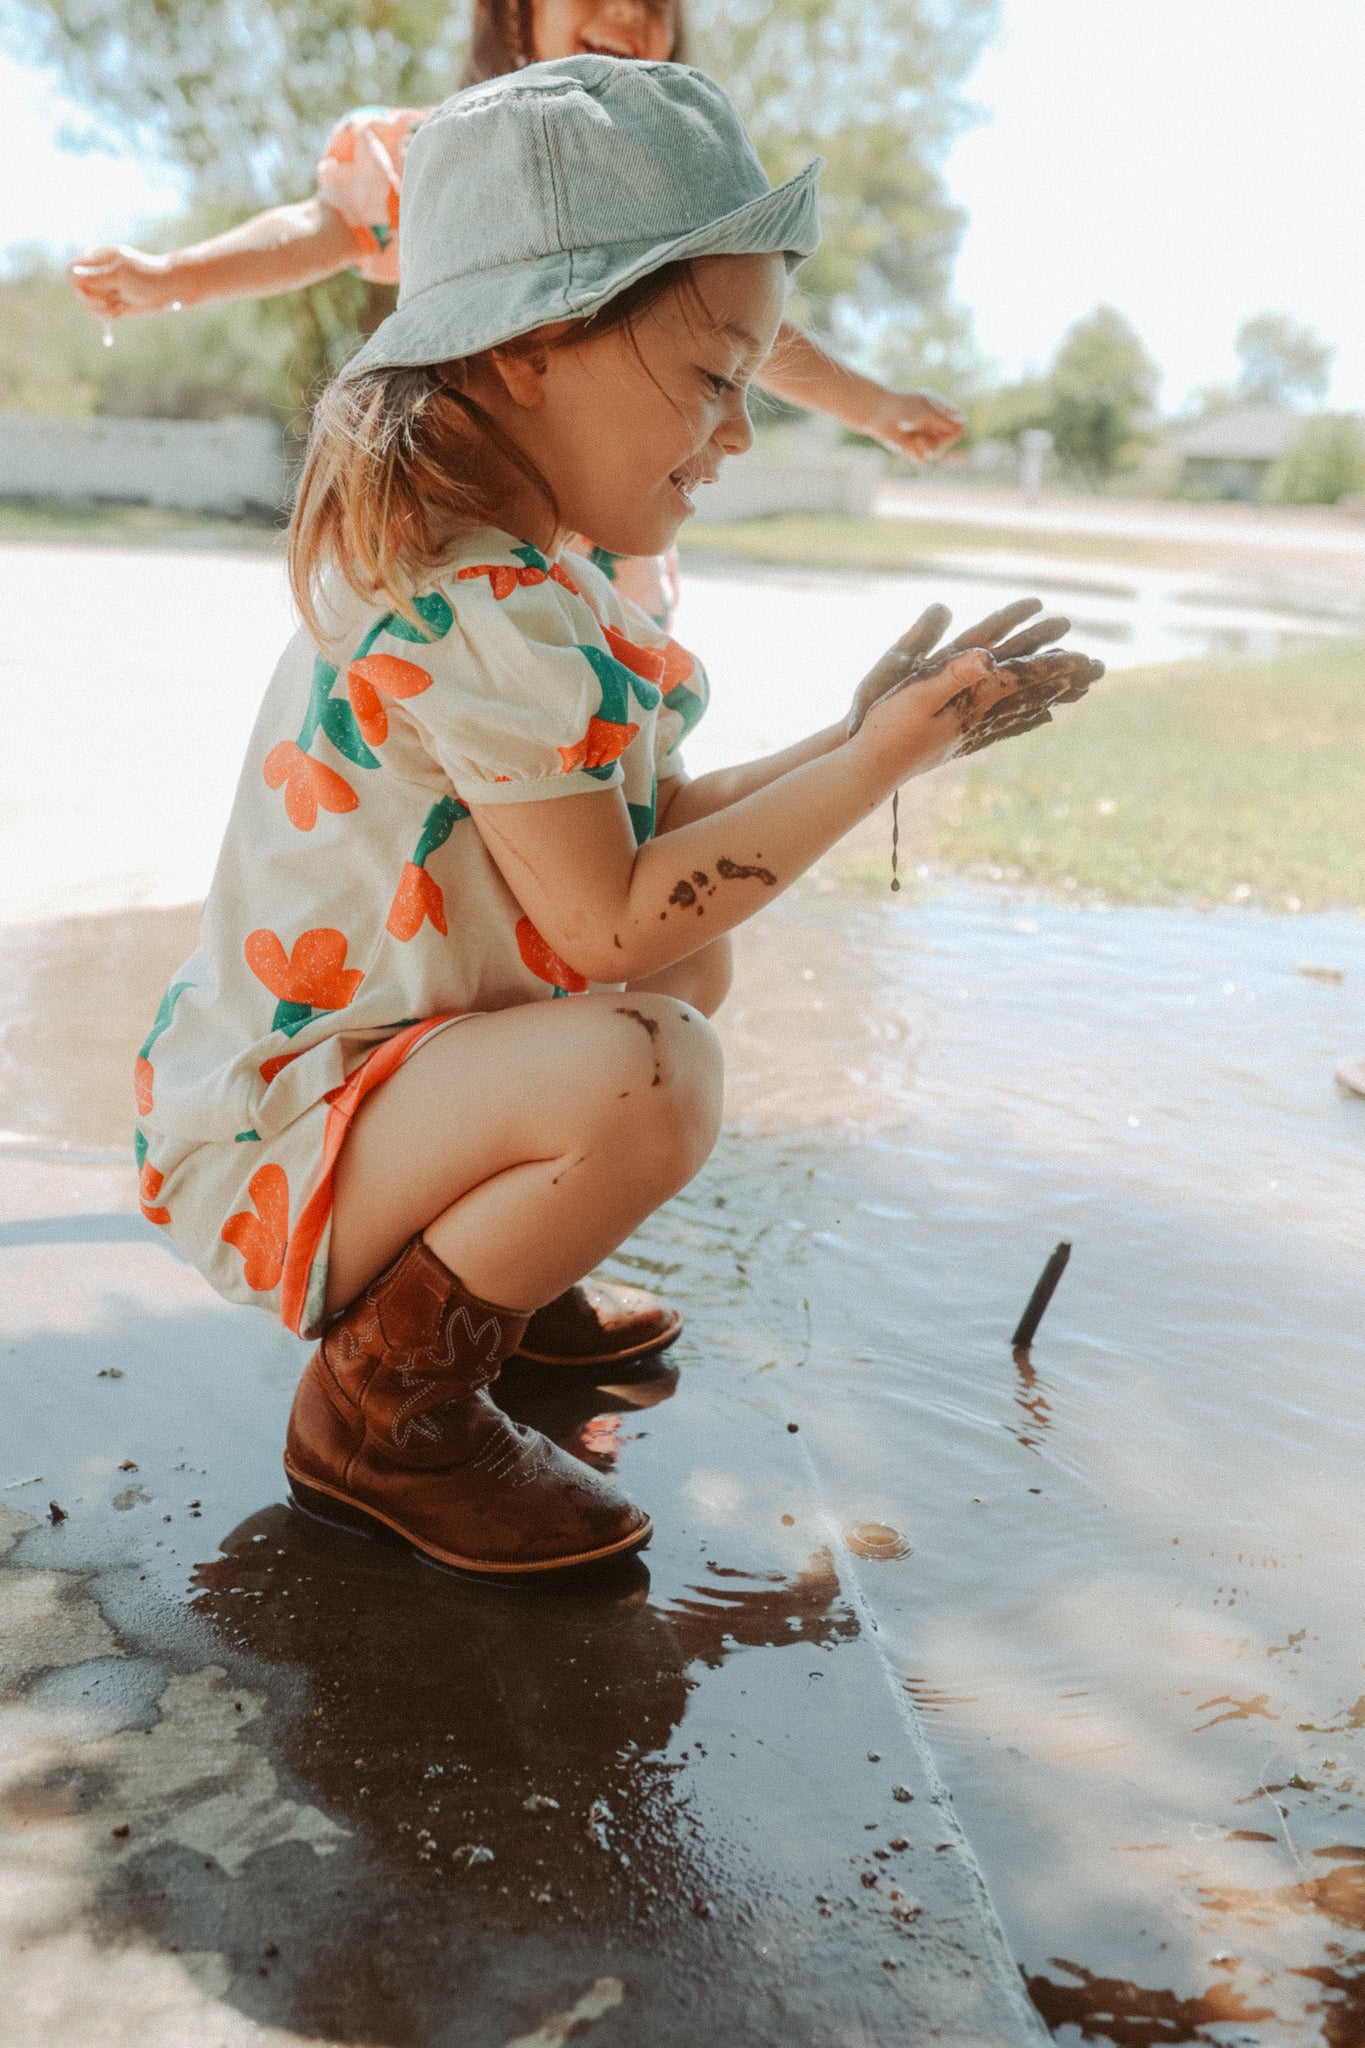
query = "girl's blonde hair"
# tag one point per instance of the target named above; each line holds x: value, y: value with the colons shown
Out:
x: 400, y: 462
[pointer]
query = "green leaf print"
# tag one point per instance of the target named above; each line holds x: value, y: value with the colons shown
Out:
x: 642, y: 817
x: 618, y: 685
x: 164, y: 1014
x: 247, y: 1138
x: 442, y: 819
x: 291, y: 1017
x: 689, y: 707
x: 324, y: 675
x: 434, y: 612
x: 533, y: 558
x: 600, y: 559
x: 139, y: 1149
x: 338, y: 722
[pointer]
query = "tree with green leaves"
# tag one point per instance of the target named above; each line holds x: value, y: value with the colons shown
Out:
x: 1101, y: 385
x: 1282, y: 360
x: 1324, y: 464
x: 242, y: 93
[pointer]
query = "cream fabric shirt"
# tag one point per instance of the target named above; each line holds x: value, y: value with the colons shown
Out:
x: 354, y: 895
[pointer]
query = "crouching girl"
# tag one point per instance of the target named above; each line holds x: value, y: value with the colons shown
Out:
x: 364, y: 1105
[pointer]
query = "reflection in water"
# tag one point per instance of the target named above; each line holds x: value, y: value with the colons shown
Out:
x: 442, y: 1717
x: 1031, y: 1399
x: 1131, y: 2015
x: 1138, y: 1551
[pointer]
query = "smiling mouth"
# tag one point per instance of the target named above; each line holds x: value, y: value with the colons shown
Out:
x: 593, y: 47
x: 685, y: 482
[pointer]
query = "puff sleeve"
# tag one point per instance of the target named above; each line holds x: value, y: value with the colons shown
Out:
x: 360, y: 175
x: 517, y: 692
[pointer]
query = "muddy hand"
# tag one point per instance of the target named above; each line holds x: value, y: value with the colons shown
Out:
x: 1042, y: 680
x: 911, y: 657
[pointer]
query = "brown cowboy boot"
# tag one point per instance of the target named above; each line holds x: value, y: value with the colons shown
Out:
x: 599, y: 1323
x: 392, y: 1425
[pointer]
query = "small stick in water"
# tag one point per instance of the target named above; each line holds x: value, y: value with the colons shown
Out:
x: 895, y: 840
x: 1040, y: 1297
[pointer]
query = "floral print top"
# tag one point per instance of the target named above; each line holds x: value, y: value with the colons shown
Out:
x: 353, y: 894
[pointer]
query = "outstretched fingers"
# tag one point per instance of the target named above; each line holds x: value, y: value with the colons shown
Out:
x: 900, y: 662
x: 990, y: 631
x: 1041, y: 634
x: 1025, y: 690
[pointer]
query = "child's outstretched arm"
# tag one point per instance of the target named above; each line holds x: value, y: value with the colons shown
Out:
x: 618, y: 913
x: 275, y: 251
x: 913, y: 423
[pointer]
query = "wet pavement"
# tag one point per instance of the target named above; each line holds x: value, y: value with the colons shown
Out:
x: 132, y: 687
x: 1115, y: 1583
x: 264, y: 1782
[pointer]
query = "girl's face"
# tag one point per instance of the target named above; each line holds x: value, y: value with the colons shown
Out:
x: 603, y: 28
x: 625, y: 429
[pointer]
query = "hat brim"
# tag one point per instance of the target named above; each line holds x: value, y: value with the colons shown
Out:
x: 488, y: 307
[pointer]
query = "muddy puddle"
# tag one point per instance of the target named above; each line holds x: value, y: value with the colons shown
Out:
x: 1131, y: 1616
x: 1119, y: 1576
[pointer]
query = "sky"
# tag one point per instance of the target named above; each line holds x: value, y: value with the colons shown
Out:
x: 1188, y: 161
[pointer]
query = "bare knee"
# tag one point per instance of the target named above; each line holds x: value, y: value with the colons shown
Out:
x: 702, y: 979
x: 673, y: 1092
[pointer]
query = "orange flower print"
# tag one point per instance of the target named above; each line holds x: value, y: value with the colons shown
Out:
x: 386, y: 673
x: 649, y: 662
x: 315, y: 972
x: 602, y: 743
x: 308, y: 785
x: 144, y: 1076
x: 535, y: 568
x: 418, y: 897
x: 262, y: 1239
x: 545, y: 963
x: 277, y: 1065
x: 149, y: 1186
x: 502, y: 576
x: 678, y: 665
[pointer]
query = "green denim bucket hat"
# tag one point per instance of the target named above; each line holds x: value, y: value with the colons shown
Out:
x: 541, y: 195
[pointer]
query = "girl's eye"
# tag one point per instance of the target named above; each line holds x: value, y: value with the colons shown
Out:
x: 718, y: 383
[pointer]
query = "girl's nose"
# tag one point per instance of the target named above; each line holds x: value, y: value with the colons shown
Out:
x: 735, y: 433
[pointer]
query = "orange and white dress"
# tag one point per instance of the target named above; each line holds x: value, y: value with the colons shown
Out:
x: 355, y: 909
x: 360, y: 175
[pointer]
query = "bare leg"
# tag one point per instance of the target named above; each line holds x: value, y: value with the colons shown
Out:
x: 526, y: 1144
x: 702, y: 979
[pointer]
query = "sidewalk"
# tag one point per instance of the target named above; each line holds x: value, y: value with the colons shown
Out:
x: 266, y: 1783
x: 1279, y: 529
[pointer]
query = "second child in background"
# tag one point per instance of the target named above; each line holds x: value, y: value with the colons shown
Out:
x: 351, y: 221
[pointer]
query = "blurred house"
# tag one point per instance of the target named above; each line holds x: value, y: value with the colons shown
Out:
x: 1230, y: 454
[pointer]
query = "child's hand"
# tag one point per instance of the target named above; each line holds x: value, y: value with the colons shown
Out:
x: 123, y: 280
x: 988, y: 684
x: 913, y: 423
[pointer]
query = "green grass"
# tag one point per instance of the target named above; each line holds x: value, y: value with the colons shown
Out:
x: 131, y: 526
x: 811, y: 540
x: 1214, y: 781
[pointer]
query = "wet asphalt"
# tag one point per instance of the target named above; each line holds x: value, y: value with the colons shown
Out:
x: 266, y: 1782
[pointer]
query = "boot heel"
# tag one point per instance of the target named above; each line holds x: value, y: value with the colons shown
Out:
x: 337, y: 1514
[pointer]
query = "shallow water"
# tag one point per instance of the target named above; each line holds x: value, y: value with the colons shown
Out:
x: 126, y: 729
x: 1132, y: 1613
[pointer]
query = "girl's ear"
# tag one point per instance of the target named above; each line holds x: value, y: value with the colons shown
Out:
x: 522, y: 373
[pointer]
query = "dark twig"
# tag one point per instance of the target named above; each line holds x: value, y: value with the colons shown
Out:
x: 1040, y: 1297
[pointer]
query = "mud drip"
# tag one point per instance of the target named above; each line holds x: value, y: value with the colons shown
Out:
x: 895, y: 840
